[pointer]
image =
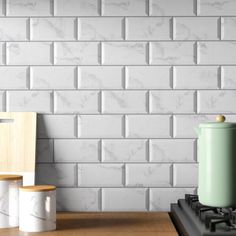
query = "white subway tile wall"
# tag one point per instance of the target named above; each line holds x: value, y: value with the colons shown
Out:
x: 119, y: 86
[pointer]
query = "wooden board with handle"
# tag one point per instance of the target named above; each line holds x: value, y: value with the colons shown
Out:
x: 17, y: 144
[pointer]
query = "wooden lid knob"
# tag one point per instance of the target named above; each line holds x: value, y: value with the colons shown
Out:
x: 220, y: 118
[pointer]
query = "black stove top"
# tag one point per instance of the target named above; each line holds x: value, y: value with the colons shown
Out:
x: 191, y: 218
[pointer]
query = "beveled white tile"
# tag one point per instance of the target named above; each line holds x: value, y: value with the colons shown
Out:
x: 126, y: 102
x: 124, y: 199
x: 55, y: 29
x: 148, y: 77
x: 124, y: 53
x: 172, y: 150
x: 172, y: 102
x: 73, y: 150
x: 148, y: 28
x: 172, y: 53
x: 76, y: 8
x: 148, y: 175
x: 44, y: 150
x: 124, y: 7
x: 56, y: 174
x: 78, y: 199
x: 77, y: 53
x: 123, y: 150
x: 102, y: 175
x: 185, y: 175
x: 100, y: 77
x: 76, y: 102
x: 148, y: 126
x: 172, y: 8
x: 161, y: 198
x: 29, y: 8
x: 107, y: 28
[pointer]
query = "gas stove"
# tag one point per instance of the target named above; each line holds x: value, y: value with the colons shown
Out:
x: 191, y: 218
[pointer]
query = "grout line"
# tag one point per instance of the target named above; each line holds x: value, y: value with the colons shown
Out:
x: 148, y: 159
x: 195, y: 8
x: 171, y: 126
x: 29, y: 82
x: 100, y: 8
x: 123, y: 162
x: 29, y: 29
x: 53, y: 5
x: 220, y: 28
x: 100, y: 199
x: 124, y: 28
x: 97, y: 139
x: 114, y: 16
x: 195, y: 150
x: 52, y: 52
x: 172, y: 77
x: 147, y: 8
x: 124, y: 126
x: 172, y: 28
x: 148, y: 102
x: 121, y: 90
x: 72, y: 40
x: 6, y: 101
x: 76, y: 78
x: 196, y: 53
x: 147, y: 192
x: 76, y: 175
x: 100, y: 154
x: 124, y: 170
x: 220, y: 74
x: 76, y: 29
x: 5, y: 8
x: 124, y: 77
x: 53, y: 150
x: 130, y: 187
x: 148, y: 53
x: 52, y: 108
x: 100, y: 102
x: 195, y: 101
x: 134, y: 114
x: 172, y: 175
x: 76, y: 131
x: 120, y: 65
x: 5, y: 54
x: 100, y: 53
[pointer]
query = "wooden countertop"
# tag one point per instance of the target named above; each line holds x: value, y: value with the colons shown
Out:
x: 106, y: 224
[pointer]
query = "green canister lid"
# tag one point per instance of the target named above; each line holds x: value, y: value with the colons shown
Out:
x: 219, y: 124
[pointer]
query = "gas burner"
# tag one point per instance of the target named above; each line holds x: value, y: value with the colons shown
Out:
x: 195, y: 219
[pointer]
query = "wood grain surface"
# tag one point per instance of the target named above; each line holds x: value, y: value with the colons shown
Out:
x: 17, y: 141
x: 106, y: 224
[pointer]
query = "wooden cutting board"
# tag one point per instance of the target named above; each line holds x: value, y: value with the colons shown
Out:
x: 17, y: 144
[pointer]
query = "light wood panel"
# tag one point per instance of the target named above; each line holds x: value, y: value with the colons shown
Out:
x: 17, y: 141
x: 107, y: 224
x: 38, y: 188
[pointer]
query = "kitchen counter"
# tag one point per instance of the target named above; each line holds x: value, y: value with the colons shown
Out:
x: 106, y: 224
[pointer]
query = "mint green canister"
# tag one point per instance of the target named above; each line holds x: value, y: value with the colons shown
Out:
x: 217, y: 163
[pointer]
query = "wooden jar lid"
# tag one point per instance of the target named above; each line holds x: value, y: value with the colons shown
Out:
x: 38, y: 188
x: 10, y: 177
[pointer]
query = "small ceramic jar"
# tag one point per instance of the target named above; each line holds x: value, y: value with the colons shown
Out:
x: 9, y: 199
x: 37, y: 208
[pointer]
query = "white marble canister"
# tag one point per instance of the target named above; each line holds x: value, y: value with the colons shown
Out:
x: 9, y: 200
x: 37, y: 208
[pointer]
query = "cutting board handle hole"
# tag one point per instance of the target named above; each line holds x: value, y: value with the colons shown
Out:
x: 6, y: 120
